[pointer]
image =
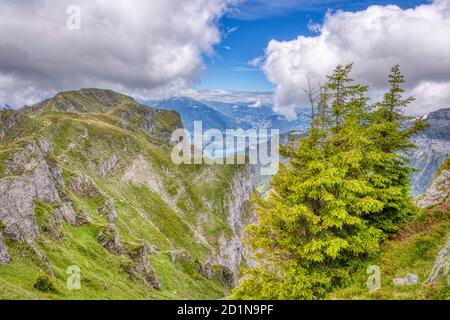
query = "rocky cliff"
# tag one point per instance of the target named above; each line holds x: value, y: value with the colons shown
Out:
x: 438, y: 192
x: 433, y: 148
x: 233, y: 253
x: 441, y: 265
x: 86, y: 180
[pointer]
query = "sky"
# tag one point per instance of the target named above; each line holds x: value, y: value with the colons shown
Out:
x: 236, y: 50
x: 256, y: 23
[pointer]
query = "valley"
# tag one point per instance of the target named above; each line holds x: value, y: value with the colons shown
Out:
x: 87, y: 181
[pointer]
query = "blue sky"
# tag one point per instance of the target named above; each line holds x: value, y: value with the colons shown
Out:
x: 254, y: 24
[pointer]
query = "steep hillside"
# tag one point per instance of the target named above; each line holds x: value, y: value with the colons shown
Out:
x: 86, y: 180
x: 421, y: 249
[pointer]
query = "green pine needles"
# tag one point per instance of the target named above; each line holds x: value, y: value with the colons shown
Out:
x: 346, y: 188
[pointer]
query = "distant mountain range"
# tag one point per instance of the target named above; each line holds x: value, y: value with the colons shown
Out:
x: 191, y: 110
x: 224, y: 115
x: 433, y: 145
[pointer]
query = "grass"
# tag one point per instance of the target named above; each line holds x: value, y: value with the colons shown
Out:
x: 194, y: 285
x: 24, y: 125
x: 102, y: 274
x: 81, y: 143
x: 414, y: 250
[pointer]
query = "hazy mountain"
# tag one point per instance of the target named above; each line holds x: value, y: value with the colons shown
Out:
x: 191, y: 110
x: 222, y: 115
x: 249, y: 114
x: 432, y: 149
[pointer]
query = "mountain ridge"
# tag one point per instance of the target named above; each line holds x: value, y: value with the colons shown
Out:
x: 224, y: 115
x: 98, y: 190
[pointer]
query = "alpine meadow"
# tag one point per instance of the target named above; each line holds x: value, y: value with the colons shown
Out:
x: 225, y: 158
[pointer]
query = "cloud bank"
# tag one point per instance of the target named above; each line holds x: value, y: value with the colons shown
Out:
x: 255, y: 99
x: 373, y: 39
x: 139, y: 47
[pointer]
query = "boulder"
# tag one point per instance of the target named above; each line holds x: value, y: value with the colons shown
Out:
x: 109, y: 211
x: 109, y: 238
x: 437, y: 193
x: 441, y: 265
x: 140, y: 267
x: 66, y: 213
x: 216, y: 271
x: 409, y: 280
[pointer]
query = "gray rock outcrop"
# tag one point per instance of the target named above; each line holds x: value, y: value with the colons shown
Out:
x: 4, y: 255
x: 233, y: 253
x: 44, y: 261
x: 66, y: 213
x: 207, y: 270
x: 437, y: 193
x: 215, y: 271
x: 109, y: 239
x: 108, y: 165
x: 441, y: 265
x: 433, y: 148
x: 8, y: 120
x: 140, y: 267
x: 409, y: 280
x: 109, y: 211
x: 18, y: 193
x: 178, y: 256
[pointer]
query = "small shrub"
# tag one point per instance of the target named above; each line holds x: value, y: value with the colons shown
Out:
x: 434, y: 292
x: 438, y: 214
x: 45, y: 283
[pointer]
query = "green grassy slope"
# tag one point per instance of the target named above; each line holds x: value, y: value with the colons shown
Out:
x: 413, y: 250
x: 101, y: 124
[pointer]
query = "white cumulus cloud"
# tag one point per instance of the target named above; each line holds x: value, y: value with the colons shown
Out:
x: 229, y: 96
x: 139, y: 47
x: 373, y: 39
x: 257, y: 104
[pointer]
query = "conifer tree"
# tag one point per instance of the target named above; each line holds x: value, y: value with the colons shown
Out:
x: 345, y: 189
x: 312, y: 228
x: 391, y: 130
